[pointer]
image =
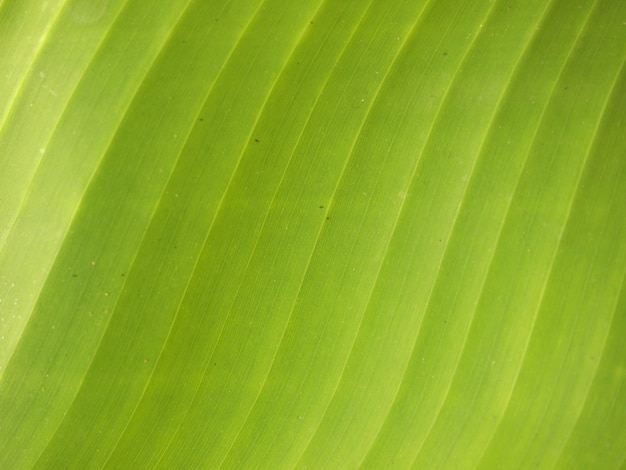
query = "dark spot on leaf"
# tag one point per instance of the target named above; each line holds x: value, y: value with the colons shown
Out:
x: 445, y: 53
x: 321, y: 207
x: 74, y: 275
x: 256, y: 140
x: 327, y: 218
x: 201, y: 119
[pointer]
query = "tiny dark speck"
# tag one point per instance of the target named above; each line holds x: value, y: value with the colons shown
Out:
x: 201, y: 119
x: 256, y: 140
x: 327, y: 218
x: 445, y: 53
x: 74, y: 275
x: 321, y: 207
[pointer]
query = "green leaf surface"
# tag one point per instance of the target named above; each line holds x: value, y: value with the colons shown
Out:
x: 317, y: 234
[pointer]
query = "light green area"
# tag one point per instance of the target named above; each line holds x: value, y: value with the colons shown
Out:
x: 318, y: 234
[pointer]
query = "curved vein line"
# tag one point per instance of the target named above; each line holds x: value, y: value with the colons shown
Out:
x: 191, y: 276
x: 91, y: 179
x: 359, y: 133
x: 563, y: 231
x: 28, y: 69
x: 315, y: 244
x: 539, y: 122
x: 550, y: 269
x: 306, y: 269
x: 10, y: 226
x: 547, y: 277
x: 551, y: 266
x: 374, y: 101
x: 602, y: 354
x: 54, y: 259
x: 220, y: 207
x: 434, y: 123
x: 28, y: 191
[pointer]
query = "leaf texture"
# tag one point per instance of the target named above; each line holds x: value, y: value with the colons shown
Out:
x: 318, y: 234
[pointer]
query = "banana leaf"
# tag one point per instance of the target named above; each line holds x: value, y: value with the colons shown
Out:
x: 314, y: 234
